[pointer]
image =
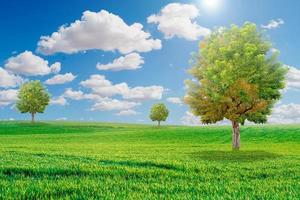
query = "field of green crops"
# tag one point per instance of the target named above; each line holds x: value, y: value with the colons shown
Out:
x: 54, y: 160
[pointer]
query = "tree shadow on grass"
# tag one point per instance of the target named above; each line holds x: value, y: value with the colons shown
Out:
x: 234, y: 156
x: 53, y: 172
x: 136, y: 164
x: 105, y: 163
x: 76, y: 172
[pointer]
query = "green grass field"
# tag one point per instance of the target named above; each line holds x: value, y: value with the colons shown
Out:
x: 117, y: 161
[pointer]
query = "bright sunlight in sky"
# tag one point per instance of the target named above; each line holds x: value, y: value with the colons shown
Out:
x: 211, y: 4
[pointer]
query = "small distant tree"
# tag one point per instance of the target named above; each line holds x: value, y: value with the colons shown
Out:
x: 237, y: 78
x: 159, y: 113
x: 32, y: 98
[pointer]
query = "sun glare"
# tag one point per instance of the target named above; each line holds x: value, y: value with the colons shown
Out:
x: 211, y: 4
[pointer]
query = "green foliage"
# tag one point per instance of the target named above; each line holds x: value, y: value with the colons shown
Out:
x: 33, y: 98
x: 159, y: 112
x: 80, y: 161
x: 237, y: 77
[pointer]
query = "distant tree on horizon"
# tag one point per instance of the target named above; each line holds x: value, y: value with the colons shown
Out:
x: 32, y: 98
x: 237, y: 78
x: 159, y: 113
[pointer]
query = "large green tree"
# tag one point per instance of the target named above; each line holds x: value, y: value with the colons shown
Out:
x: 237, y: 78
x: 32, y: 98
x: 159, y: 113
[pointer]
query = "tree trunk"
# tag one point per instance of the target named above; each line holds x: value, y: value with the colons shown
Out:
x: 32, y: 117
x: 158, y: 123
x: 235, y: 135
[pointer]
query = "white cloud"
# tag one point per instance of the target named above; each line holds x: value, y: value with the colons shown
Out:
x: 113, y: 104
x: 293, y: 78
x: 8, y: 97
x: 55, y: 68
x: 177, y: 19
x: 59, y: 101
x: 103, y: 87
x: 131, y: 61
x: 74, y: 95
x: 190, y: 119
x: 127, y: 113
x: 95, y: 81
x: 60, y: 79
x: 175, y: 100
x: 273, y: 24
x: 285, y: 114
x: 8, y: 79
x: 144, y: 93
x: 79, y: 95
x: 102, y: 90
x: 98, y: 30
x: 93, y: 97
x: 102, y: 103
x: 29, y: 64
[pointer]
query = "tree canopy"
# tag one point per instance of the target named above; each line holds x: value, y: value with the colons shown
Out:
x: 159, y: 113
x: 32, y: 98
x: 237, y: 77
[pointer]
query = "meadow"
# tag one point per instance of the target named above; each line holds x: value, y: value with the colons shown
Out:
x: 71, y: 160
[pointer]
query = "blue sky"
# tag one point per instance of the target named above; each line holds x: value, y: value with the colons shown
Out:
x: 159, y: 60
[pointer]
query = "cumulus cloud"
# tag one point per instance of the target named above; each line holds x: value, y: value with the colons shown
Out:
x: 60, y: 79
x: 131, y: 61
x: 98, y: 30
x: 127, y: 113
x: 55, y: 68
x: 113, y: 104
x: 93, y: 97
x: 59, y: 101
x: 8, y: 79
x: 8, y: 97
x: 95, y: 81
x: 102, y: 91
x: 74, y: 95
x: 105, y: 88
x: 285, y: 114
x: 29, y: 64
x: 293, y: 78
x: 177, y: 19
x: 175, y: 100
x: 144, y: 93
x: 101, y: 103
x: 80, y: 95
x: 273, y: 24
